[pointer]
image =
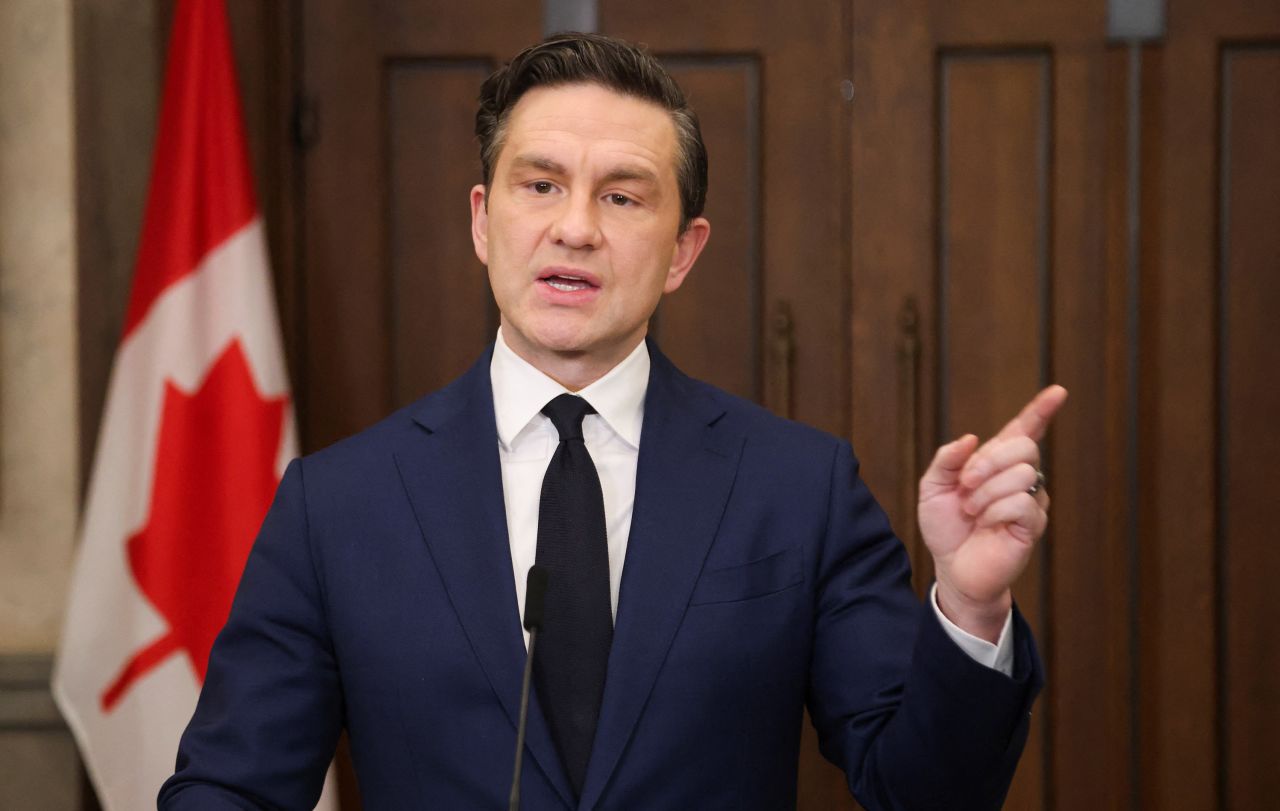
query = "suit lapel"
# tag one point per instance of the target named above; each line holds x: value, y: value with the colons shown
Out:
x: 685, y: 471
x: 452, y: 474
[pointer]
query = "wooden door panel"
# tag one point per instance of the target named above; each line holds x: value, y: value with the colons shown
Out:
x: 440, y: 308
x: 1248, y: 403
x: 994, y: 259
x: 712, y: 324
x: 1176, y: 665
x: 994, y: 131
x: 1088, y: 577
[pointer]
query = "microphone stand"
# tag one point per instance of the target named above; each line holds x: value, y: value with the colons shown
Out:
x: 534, y: 596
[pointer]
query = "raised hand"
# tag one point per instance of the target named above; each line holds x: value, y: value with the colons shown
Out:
x: 981, y: 519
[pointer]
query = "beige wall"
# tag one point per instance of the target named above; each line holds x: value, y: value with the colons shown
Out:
x: 39, y: 438
x: 38, y: 430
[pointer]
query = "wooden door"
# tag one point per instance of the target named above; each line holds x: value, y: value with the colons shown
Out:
x: 1209, y: 671
x: 980, y: 273
x: 1034, y: 202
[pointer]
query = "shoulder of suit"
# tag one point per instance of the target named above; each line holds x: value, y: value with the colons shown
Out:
x: 369, y: 445
x: 761, y: 425
x: 390, y: 432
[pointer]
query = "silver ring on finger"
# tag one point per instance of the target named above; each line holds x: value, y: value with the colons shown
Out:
x: 1041, y: 481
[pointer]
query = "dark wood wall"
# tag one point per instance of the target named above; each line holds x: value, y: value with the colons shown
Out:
x: 922, y: 211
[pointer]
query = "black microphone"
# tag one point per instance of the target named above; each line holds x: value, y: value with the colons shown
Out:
x: 535, y: 594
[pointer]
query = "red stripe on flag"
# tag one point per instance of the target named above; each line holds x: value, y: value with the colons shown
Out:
x: 201, y: 186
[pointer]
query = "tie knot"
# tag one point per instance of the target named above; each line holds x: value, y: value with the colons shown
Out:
x: 566, y: 413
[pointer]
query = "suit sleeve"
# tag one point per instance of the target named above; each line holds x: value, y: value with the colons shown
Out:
x: 912, y: 719
x: 269, y: 715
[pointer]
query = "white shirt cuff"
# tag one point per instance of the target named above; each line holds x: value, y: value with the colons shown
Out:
x: 998, y: 656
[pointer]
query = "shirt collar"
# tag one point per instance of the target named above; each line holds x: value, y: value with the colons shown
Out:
x: 520, y: 391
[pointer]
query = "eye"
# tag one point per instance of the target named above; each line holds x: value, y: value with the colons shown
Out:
x: 541, y: 186
x: 620, y: 199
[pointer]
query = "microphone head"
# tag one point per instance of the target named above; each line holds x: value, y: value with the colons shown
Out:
x: 535, y: 597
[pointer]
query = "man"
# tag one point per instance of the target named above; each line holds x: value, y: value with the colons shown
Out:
x: 713, y: 568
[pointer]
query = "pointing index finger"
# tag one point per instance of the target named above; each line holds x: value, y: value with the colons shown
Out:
x: 1033, y: 420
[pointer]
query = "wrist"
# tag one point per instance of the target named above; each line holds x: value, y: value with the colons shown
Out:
x: 984, y: 619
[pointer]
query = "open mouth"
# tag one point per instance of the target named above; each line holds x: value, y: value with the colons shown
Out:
x: 567, y: 283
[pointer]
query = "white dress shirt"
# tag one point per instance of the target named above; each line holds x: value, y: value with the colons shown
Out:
x: 527, y: 440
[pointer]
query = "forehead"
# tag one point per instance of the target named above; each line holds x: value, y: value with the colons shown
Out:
x: 589, y: 118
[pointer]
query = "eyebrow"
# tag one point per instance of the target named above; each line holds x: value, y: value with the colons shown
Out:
x: 621, y: 173
x: 538, y: 162
x: 631, y: 173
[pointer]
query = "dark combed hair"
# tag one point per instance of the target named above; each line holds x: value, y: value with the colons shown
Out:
x: 576, y: 58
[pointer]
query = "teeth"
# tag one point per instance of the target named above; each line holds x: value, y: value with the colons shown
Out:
x: 567, y: 287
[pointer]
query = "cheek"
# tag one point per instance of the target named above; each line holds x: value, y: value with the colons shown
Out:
x: 510, y: 251
x: 647, y: 268
x: 521, y: 237
x: 642, y: 294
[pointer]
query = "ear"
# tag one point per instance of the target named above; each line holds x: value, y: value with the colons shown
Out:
x: 688, y: 246
x: 480, y: 223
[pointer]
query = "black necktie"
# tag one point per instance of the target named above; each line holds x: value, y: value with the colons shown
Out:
x: 577, y: 629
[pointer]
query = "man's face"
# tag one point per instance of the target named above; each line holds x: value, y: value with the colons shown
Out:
x: 580, y: 230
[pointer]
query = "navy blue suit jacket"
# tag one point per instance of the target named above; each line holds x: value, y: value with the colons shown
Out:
x: 760, y: 576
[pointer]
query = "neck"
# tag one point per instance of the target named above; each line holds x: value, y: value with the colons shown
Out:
x: 573, y: 370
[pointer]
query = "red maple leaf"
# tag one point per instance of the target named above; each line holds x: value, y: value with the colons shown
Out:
x: 215, y: 474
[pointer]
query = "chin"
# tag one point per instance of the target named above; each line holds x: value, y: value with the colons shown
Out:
x: 566, y: 347
x: 562, y: 339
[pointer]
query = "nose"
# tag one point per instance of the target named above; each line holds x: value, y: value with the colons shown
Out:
x: 577, y: 224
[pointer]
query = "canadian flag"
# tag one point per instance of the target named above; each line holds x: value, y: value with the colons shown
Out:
x: 197, y: 430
